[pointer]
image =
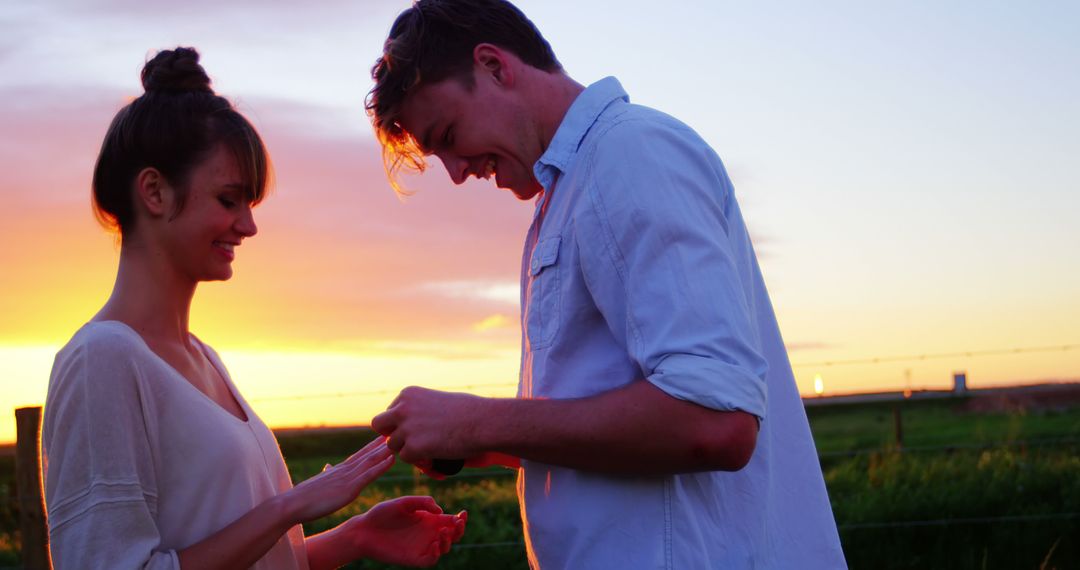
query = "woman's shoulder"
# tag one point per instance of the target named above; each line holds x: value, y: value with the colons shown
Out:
x: 113, y: 337
x: 98, y: 349
x: 97, y: 378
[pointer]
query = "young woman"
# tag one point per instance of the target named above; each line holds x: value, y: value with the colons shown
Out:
x: 153, y: 459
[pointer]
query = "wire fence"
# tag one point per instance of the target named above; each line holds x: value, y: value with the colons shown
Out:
x: 939, y: 355
x: 960, y: 521
x: 1042, y: 442
x: 817, y: 364
x: 943, y: 522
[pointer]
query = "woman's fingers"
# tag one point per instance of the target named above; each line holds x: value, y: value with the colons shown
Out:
x: 361, y: 463
x: 352, y: 479
x: 355, y: 474
x: 432, y: 554
x: 444, y: 540
x: 368, y: 472
x: 373, y: 446
x: 459, y: 525
x: 418, y: 503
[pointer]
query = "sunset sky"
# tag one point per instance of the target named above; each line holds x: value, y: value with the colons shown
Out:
x: 907, y: 170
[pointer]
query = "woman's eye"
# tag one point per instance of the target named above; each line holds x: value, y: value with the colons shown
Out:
x: 226, y: 202
x: 448, y: 138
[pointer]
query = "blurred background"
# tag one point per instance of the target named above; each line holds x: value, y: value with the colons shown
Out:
x: 907, y: 171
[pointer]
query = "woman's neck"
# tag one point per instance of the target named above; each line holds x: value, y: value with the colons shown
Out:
x: 150, y: 296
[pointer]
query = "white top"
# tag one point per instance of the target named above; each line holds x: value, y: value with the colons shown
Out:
x: 140, y: 464
x: 642, y: 268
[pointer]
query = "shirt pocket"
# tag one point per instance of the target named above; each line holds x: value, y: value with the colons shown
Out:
x: 542, y: 313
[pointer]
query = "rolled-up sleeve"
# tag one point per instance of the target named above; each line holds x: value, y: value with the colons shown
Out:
x: 659, y: 263
x: 99, y: 473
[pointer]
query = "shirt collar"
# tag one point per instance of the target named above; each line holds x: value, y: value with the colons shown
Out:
x: 580, y: 117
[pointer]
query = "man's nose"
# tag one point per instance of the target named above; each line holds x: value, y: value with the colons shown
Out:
x: 456, y: 167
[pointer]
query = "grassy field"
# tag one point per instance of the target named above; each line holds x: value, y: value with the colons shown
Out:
x: 970, y: 490
x: 967, y: 490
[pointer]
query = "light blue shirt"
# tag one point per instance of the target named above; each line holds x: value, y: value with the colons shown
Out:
x: 641, y: 267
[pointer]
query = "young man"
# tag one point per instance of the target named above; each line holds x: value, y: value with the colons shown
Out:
x: 658, y: 424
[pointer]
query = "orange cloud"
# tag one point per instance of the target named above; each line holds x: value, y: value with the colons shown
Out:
x: 493, y: 322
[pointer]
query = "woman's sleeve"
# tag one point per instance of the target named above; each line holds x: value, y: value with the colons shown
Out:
x: 100, y: 483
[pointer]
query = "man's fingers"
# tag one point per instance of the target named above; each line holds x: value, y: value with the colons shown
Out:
x: 386, y: 422
x: 424, y: 465
x: 396, y: 442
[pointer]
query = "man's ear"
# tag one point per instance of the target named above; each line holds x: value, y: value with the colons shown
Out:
x: 153, y: 192
x: 493, y: 63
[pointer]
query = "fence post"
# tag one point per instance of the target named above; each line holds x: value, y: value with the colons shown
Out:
x: 32, y: 523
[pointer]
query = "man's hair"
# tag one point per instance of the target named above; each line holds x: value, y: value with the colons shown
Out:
x: 433, y: 41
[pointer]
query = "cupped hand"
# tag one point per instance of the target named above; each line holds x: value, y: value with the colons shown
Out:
x: 409, y: 531
x: 338, y: 485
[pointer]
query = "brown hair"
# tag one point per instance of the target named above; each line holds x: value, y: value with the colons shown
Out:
x: 172, y: 127
x: 432, y: 41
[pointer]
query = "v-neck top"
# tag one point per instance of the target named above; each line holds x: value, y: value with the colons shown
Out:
x: 140, y: 464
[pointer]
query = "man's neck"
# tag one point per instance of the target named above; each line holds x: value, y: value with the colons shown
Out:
x: 552, y: 97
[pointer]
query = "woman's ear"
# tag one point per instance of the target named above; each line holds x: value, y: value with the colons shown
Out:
x: 492, y: 61
x: 152, y: 192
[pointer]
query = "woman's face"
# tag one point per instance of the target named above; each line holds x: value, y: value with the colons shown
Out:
x: 201, y: 240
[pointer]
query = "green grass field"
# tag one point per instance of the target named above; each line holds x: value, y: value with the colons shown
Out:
x: 968, y: 490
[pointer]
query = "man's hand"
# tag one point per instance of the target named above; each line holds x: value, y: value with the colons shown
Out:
x: 492, y: 459
x: 421, y: 425
x: 635, y: 430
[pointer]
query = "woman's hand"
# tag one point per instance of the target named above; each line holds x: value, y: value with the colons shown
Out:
x: 338, y: 485
x: 410, y: 531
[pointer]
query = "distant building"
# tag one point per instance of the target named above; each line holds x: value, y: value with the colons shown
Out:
x: 959, y: 382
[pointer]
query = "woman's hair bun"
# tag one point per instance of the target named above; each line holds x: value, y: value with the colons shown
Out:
x: 175, y: 70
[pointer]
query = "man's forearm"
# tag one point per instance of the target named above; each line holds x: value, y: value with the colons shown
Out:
x: 635, y: 430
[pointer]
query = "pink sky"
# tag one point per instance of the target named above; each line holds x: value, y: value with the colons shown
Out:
x: 907, y: 174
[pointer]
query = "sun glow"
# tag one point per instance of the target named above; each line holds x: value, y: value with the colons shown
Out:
x: 302, y: 388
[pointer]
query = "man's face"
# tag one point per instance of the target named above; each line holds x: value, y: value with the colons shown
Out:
x: 482, y: 131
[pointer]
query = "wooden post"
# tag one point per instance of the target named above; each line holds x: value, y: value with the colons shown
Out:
x: 32, y: 523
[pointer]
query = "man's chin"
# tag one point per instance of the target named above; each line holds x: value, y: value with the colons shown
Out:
x: 525, y: 193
